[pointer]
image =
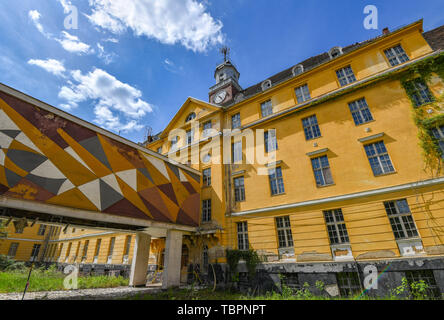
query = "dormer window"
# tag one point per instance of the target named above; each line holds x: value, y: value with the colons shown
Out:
x: 266, y: 85
x: 335, y: 52
x: 190, y: 117
x: 297, y: 70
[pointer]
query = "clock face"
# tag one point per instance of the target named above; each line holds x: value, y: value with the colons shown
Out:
x: 220, y: 96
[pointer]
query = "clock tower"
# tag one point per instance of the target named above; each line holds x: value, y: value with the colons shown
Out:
x: 227, y: 84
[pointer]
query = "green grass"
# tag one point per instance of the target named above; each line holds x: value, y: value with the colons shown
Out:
x: 15, y: 281
x: 208, y: 294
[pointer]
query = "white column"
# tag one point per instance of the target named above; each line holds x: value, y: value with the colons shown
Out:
x: 173, y: 257
x: 139, y: 266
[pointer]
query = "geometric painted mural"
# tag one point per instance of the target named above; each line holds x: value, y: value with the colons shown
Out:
x: 50, y: 159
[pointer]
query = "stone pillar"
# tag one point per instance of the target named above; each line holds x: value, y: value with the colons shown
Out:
x: 173, y: 257
x: 139, y: 265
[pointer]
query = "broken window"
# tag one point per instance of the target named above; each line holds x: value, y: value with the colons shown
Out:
x: 428, y: 277
x: 290, y: 280
x: 348, y: 283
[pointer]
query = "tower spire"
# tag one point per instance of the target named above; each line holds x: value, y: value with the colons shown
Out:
x: 226, y: 52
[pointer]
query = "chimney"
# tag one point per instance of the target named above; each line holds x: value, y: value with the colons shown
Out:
x: 385, y: 31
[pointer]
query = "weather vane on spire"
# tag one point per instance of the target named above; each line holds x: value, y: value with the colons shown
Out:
x: 226, y: 52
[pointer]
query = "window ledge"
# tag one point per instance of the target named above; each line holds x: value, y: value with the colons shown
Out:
x: 279, y: 194
x: 386, y: 174
x: 364, y: 123
x: 317, y: 152
x: 326, y: 186
x: 373, y: 137
x: 314, y: 138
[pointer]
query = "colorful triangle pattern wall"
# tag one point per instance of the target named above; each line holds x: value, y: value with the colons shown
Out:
x: 47, y: 158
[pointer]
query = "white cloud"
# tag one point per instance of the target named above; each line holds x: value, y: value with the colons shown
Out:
x: 51, y: 65
x: 170, y: 21
x: 35, y: 16
x: 69, y: 42
x: 73, y: 44
x: 106, y: 57
x: 66, y: 4
x: 113, y: 99
x: 113, y: 40
x: 171, y: 66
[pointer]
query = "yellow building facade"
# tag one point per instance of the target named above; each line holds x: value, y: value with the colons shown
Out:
x: 357, y: 135
x: 353, y: 178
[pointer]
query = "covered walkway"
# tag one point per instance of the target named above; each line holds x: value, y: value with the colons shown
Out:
x: 58, y: 169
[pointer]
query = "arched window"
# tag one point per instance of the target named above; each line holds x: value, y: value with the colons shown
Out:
x: 266, y: 85
x: 335, y: 52
x: 190, y: 117
x: 297, y: 70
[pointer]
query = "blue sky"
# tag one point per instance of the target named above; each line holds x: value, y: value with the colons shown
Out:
x: 132, y: 63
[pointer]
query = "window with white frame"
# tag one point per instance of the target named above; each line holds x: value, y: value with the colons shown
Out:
x: 236, y: 151
x: 190, y: 137
x: 68, y: 251
x: 42, y: 230
x: 174, y: 143
x: 206, y: 210
x: 379, y: 159
x: 13, y: 249
x: 419, y: 92
x: 302, y: 93
x: 77, y: 251
x: 239, y: 189
x: 206, y: 177
x: 311, y: 127
x: 235, y: 121
x: 276, y: 181
x: 337, y: 231
x: 401, y: 219
x: 127, y: 249
x: 206, y: 127
x: 85, y: 250
x: 266, y: 108
x: 283, y: 227
x: 97, y: 251
x: 270, y: 141
x: 360, y: 111
x: 438, y: 133
x: 396, y: 55
x: 111, y: 250
x: 345, y: 76
x: 242, y: 236
x: 35, y: 252
x: 322, y: 172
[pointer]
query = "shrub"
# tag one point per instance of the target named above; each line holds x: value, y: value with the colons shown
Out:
x: 5, y: 262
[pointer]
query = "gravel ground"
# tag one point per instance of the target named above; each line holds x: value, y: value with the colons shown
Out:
x: 84, y: 294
